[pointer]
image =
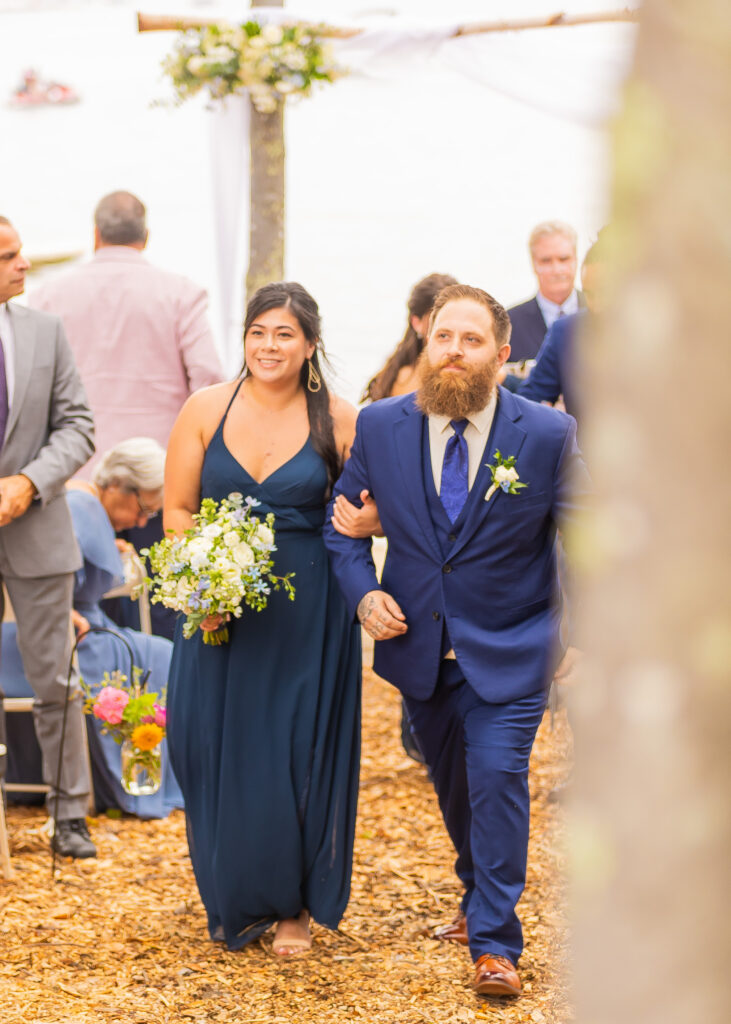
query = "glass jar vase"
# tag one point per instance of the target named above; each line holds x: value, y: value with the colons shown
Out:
x: 141, y: 769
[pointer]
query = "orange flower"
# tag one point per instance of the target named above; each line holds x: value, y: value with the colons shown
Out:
x: 145, y: 737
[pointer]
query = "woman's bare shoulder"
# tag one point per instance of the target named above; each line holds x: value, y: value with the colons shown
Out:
x: 343, y: 413
x: 406, y: 381
x: 208, y: 402
x: 344, y: 416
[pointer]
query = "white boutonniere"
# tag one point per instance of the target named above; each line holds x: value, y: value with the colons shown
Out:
x: 504, y: 476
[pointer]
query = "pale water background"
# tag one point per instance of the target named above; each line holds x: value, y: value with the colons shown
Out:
x: 388, y: 178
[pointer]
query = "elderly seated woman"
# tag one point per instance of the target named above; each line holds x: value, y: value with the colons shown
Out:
x: 126, y: 491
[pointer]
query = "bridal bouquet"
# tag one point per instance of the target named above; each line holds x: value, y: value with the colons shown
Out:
x: 223, y: 563
x: 136, y: 720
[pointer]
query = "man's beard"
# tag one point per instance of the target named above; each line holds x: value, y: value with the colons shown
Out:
x: 456, y: 395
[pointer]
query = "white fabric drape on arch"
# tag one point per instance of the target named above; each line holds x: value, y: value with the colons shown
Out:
x: 228, y: 122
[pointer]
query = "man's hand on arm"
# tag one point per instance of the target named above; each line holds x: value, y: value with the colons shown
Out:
x: 380, y: 616
x: 356, y: 522
x: 16, y: 494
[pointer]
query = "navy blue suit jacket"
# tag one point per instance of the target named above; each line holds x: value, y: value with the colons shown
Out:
x: 554, y: 372
x: 497, y: 585
x: 529, y: 330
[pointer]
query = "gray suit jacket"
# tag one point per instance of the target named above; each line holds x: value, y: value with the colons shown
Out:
x: 49, y: 436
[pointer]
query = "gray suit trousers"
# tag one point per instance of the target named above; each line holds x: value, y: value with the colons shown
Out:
x: 42, y: 609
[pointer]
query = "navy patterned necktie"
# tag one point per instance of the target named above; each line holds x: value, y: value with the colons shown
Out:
x: 455, y: 484
x: 3, y: 395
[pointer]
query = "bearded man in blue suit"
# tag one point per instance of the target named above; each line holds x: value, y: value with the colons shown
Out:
x: 470, y: 483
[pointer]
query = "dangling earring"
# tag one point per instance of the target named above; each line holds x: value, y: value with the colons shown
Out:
x: 314, y: 380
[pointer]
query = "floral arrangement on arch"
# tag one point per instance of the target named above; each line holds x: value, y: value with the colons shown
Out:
x: 270, y: 61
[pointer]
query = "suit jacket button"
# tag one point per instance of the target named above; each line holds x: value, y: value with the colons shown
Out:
x: 447, y: 568
x: 436, y: 616
x: 452, y: 537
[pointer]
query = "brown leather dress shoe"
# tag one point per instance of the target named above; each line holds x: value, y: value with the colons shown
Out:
x: 455, y: 931
x: 496, y: 976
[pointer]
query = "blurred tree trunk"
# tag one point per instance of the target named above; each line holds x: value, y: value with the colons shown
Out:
x: 651, y: 824
x: 266, y: 231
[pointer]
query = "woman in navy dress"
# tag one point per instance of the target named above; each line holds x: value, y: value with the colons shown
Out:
x: 264, y: 730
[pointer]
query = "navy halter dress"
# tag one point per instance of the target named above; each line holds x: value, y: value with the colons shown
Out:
x: 264, y: 732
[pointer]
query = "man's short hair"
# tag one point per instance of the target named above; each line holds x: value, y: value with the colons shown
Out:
x: 6, y: 222
x: 500, y: 320
x: 551, y: 227
x: 121, y: 219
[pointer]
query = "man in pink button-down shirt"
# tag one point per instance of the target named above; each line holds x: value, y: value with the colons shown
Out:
x: 140, y: 335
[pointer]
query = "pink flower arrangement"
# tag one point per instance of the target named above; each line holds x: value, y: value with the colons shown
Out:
x: 110, y: 704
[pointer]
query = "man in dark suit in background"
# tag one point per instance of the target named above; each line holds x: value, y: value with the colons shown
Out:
x: 554, y: 374
x: 552, y: 246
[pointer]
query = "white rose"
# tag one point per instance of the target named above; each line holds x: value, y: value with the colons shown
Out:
x: 212, y: 530
x: 199, y: 560
x: 272, y: 34
x: 503, y: 474
x: 243, y: 555
x: 196, y: 64
x: 219, y: 54
x: 295, y: 61
x: 264, y: 535
x: 258, y: 42
x: 285, y: 87
x: 199, y: 546
x: 231, y: 539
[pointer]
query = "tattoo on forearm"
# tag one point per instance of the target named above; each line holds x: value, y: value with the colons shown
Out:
x: 365, y: 608
x: 367, y: 613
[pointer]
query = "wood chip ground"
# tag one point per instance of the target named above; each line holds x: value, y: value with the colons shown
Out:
x: 122, y: 939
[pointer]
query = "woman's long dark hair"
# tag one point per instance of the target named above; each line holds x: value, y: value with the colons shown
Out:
x: 409, y: 348
x: 292, y: 296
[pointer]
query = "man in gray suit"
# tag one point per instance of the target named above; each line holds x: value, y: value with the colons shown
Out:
x: 46, y: 435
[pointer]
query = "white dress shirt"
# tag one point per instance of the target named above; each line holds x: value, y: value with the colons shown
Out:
x: 475, y: 434
x: 552, y: 310
x: 8, y: 342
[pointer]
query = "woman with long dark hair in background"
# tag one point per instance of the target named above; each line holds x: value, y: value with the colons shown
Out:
x: 264, y: 730
x: 398, y: 375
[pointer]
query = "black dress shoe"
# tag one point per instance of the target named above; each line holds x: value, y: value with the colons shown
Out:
x: 71, y: 839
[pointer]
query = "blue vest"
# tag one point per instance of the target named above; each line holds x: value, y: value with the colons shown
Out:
x: 446, y: 532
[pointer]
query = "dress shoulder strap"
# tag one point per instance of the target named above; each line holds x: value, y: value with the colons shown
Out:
x: 231, y: 401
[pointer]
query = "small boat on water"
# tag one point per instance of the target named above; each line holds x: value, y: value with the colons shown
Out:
x: 34, y: 92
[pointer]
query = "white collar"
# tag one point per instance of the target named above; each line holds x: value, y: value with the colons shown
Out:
x: 547, y: 306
